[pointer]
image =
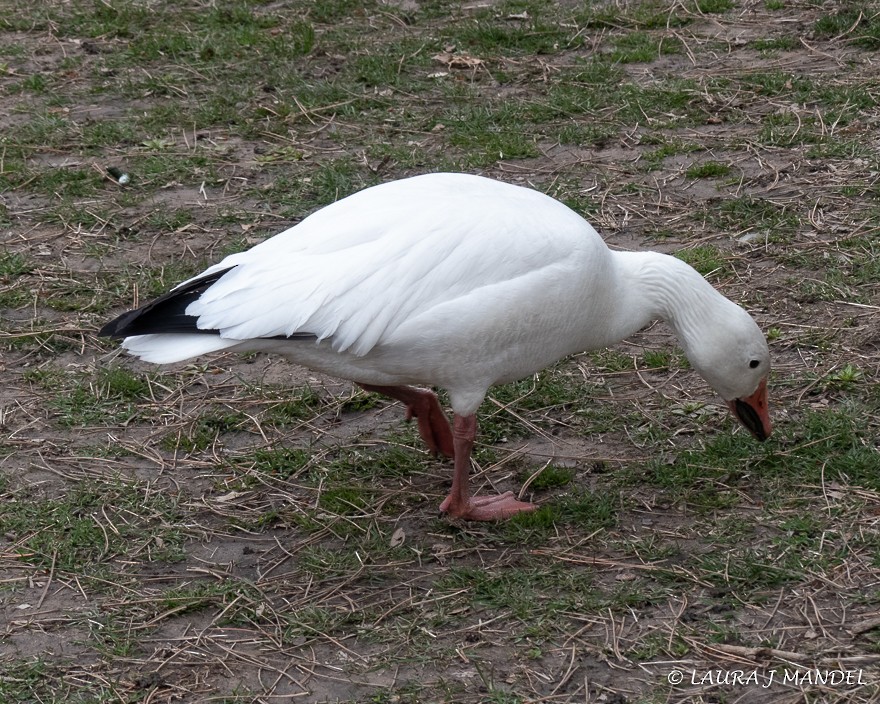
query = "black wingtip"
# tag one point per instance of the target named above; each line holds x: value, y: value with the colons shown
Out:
x: 115, y: 327
x: 166, y: 314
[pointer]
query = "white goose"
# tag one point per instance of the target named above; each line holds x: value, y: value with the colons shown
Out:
x: 454, y: 281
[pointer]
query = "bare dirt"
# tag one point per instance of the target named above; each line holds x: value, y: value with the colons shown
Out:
x: 277, y: 619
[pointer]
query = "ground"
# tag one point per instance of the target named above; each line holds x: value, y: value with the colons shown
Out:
x: 237, y: 529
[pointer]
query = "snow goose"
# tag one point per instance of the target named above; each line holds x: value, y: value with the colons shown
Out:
x: 454, y: 281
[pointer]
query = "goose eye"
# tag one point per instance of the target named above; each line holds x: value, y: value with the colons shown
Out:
x: 754, y: 363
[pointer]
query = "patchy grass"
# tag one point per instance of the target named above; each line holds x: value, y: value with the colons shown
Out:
x: 236, y: 529
x: 707, y: 259
x: 852, y: 22
x: 709, y: 169
x: 97, y: 522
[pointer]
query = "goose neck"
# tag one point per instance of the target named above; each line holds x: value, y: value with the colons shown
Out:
x: 666, y: 288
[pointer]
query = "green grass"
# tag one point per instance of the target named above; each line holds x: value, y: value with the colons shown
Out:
x: 13, y: 265
x: 39, y: 679
x: 549, y: 390
x: 850, y: 277
x: 857, y: 23
x: 288, y: 407
x: 203, y: 433
x: 663, y: 359
x: 713, y: 6
x: 775, y: 44
x: 654, y: 159
x: 533, y: 36
x: 344, y: 500
x: 706, y: 259
x: 276, y: 461
x: 708, y: 169
x: 746, y: 213
x: 588, y: 511
x: 818, y: 433
x: 520, y: 590
x: 110, y: 395
x: 152, y: 518
x: 643, y: 47
x: 91, y: 525
x: 551, y: 477
x: 643, y: 15
x: 487, y: 135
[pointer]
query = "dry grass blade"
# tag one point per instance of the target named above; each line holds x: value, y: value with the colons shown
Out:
x: 239, y: 530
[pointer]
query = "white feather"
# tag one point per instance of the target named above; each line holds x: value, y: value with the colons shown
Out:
x: 358, y: 269
x: 165, y: 349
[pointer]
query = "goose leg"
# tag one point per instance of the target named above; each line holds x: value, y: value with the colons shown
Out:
x: 422, y: 405
x: 460, y: 503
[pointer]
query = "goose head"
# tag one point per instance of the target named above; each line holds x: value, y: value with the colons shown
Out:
x: 732, y: 356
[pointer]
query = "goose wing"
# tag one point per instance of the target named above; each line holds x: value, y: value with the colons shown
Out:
x: 356, y: 270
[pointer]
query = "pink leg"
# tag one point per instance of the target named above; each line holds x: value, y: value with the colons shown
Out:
x: 459, y: 503
x: 422, y: 405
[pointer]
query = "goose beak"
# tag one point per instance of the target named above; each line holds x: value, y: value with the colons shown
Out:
x: 753, y: 412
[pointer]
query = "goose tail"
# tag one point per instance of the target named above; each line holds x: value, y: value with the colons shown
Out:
x: 161, y: 348
x: 161, y: 331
